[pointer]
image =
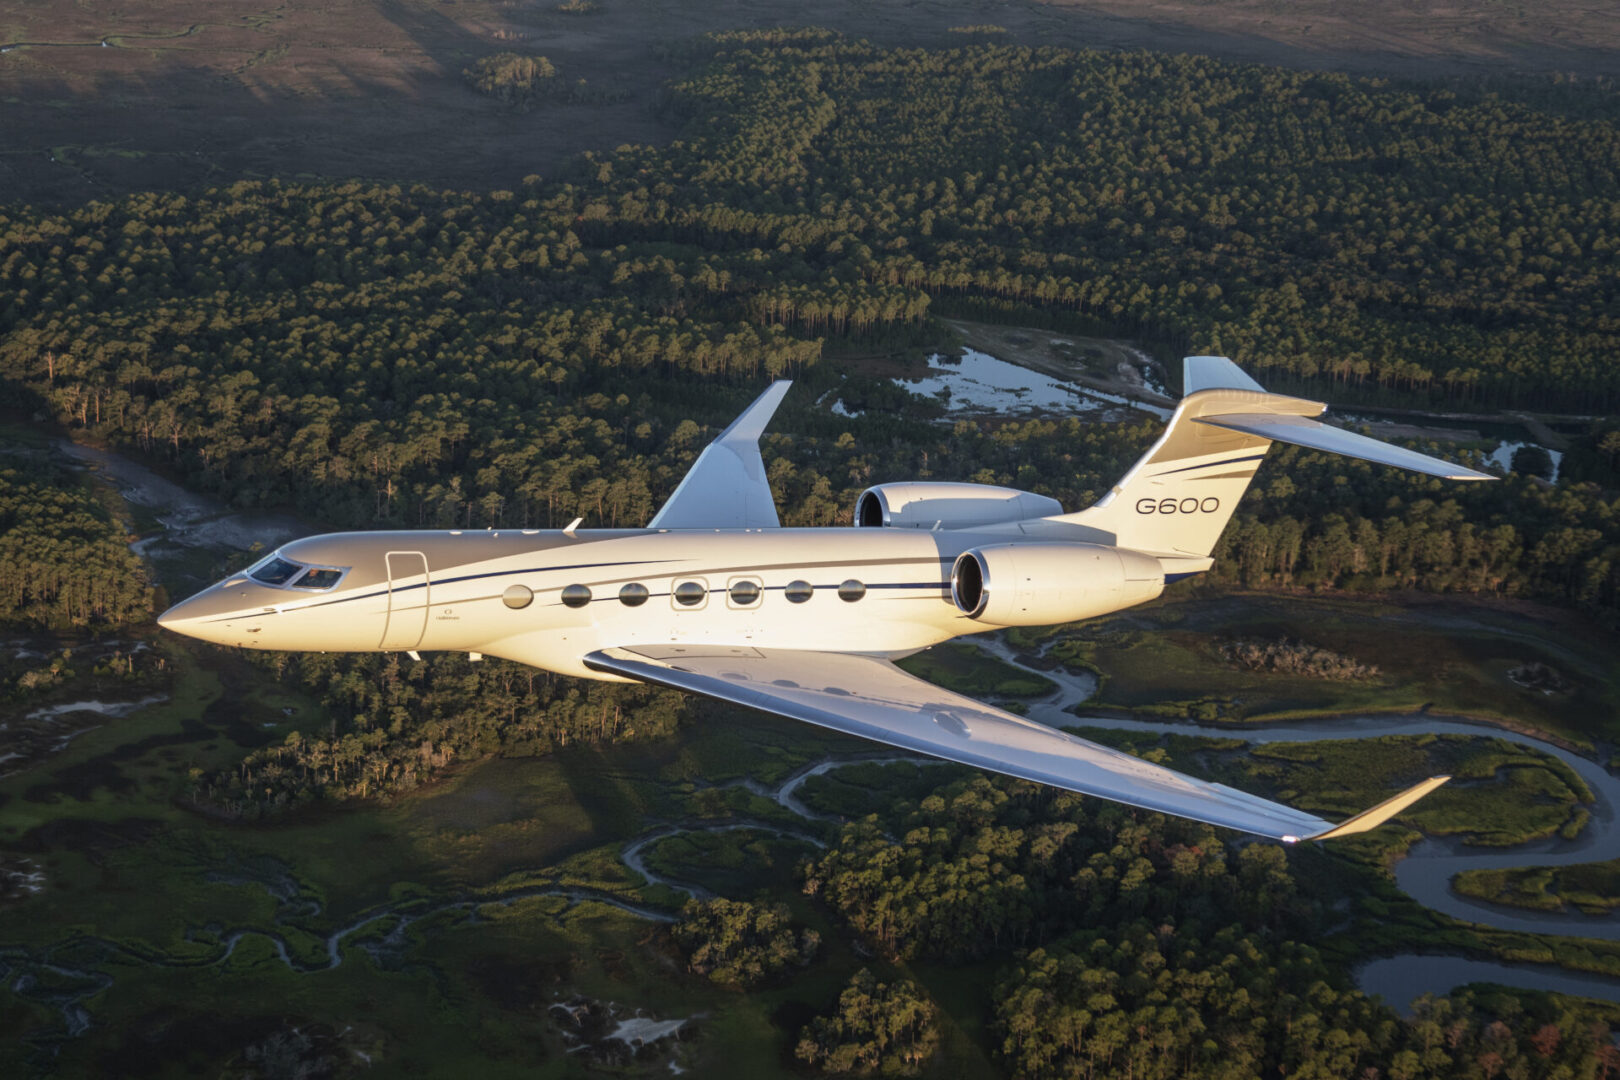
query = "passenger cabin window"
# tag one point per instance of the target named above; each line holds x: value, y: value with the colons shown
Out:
x: 517, y: 597
x: 276, y: 571
x: 744, y: 592
x: 690, y: 593
x: 576, y: 595
x: 798, y: 592
x: 319, y: 577
x: 633, y: 595
x: 851, y: 591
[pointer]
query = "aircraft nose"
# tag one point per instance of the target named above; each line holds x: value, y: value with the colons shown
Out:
x: 206, y: 615
x: 179, y: 617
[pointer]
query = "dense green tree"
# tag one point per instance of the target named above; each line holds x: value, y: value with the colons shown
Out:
x: 514, y: 78
x: 883, y: 1029
x: 741, y: 944
x: 395, y: 723
x: 64, y: 561
x: 1154, y: 947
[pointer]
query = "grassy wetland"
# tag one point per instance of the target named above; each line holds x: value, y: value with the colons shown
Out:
x: 442, y: 926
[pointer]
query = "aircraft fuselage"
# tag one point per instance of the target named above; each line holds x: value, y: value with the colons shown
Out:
x: 548, y: 597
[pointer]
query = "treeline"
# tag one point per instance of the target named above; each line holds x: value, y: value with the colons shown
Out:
x: 1154, y: 949
x: 64, y: 561
x: 397, y: 722
x: 1315, y: 520
x: 985, y: 866
x: 1155, y: 1002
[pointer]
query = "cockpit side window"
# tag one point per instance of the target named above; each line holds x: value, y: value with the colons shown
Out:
x: 275, y: 571
x: 319, y: 577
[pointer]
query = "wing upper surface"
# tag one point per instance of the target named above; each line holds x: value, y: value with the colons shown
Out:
x: 870, y: 697
x: 726, y: 487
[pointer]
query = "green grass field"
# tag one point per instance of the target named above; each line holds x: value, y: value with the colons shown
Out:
x: 1593, y: 888
x: 969, y: 670
x: 1165, y: 660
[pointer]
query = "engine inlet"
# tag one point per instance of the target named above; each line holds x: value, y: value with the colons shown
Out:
x: 970, y: 583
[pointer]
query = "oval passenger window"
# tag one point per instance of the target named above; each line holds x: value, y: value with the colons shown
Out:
x: 798, y: 591
x: 744, y: 593
x: 690, y: 593
x: 851, y: 591
x: 576, y: 595
x: 633, y: 595
x: 517, y: 596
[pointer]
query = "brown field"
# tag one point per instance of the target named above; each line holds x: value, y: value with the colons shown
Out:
x: 98, y: 100
x: 1409, y: 38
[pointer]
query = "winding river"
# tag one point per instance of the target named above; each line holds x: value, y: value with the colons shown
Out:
x: 1425, y: 873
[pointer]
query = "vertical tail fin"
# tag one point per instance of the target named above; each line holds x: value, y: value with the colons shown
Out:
x: 1179, y: 497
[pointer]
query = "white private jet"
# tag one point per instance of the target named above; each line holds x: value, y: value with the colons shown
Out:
x: 713, y: 597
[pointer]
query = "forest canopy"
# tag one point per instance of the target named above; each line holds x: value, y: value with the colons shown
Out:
x: 65, y: 562
x: 371, y: 354
x: 376, y: 354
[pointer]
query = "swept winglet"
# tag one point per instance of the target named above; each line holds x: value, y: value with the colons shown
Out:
x: 747, y: 428
x: 1371, y: 819
x: 726, y: 487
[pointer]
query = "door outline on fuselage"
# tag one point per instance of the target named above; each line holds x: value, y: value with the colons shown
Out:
x: 405, y: 627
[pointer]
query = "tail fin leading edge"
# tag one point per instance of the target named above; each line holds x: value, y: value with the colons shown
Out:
x: 1179, y: 497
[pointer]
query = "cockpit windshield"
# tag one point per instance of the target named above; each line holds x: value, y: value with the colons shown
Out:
x: 284, y: 573
x: 275, y: 571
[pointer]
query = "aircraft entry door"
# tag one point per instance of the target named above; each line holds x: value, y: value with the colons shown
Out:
x: 407, y: 600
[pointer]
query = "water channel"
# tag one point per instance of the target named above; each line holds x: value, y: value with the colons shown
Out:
x: 1425, y: 873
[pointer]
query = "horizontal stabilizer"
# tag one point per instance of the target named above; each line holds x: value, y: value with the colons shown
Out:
x: 1303, y: 431
x: 1371, y: 819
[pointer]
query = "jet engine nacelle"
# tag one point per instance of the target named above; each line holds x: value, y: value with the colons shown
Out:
x: 948, y: 506
x: 1043, y: 584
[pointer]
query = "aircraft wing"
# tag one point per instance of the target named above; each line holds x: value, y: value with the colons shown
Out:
x: 726, y: 487
x: 870, y: 697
